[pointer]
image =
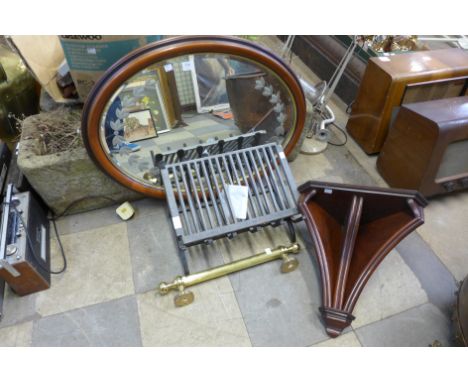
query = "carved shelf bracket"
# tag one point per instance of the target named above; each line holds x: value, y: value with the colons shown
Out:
x: 353, y: 228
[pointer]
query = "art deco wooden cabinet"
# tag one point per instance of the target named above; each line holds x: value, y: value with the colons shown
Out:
x: 390, y: 81
x: 427, y: 147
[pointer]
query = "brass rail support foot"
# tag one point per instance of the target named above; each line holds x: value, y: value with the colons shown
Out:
x: 185, y: 297
x: 289, y: 264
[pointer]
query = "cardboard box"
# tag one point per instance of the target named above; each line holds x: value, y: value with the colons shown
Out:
x: 89, y: 56
x: 43, y: 55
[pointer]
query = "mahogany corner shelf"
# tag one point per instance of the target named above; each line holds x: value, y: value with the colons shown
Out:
x: 353, y: 228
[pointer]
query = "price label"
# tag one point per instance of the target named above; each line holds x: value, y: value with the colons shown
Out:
x: 176, y: 222
x: 187, y: 66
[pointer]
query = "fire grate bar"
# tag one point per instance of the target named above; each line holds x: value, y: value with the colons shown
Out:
x: 205, y: 149
x: 196, y: 192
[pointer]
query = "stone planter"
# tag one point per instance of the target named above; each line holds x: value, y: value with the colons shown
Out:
x: 68, y: 178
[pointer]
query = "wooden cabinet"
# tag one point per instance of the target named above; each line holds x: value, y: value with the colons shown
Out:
x: 427, y: 147
x: 391, y: 81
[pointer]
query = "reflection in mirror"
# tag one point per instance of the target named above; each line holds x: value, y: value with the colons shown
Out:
x: 188, y: 105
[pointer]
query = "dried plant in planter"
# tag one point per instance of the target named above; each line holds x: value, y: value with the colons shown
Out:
x: 56, y: 131
x: 54, y: 160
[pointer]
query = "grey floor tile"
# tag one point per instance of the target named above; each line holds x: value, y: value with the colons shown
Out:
x: 336, y: 164
x: 103, y: 216
x: 114, y: 323
x: 393, y: 288
x: 17, y: 309
x: 344, y: 165
x: 344, y: 340
x: 147, y: 206
x: 278, y: 309
x: 437, y: 281
x: 154, y: 251
x: 419, y: 326
x: 17, y: 335
x: 87, y: 220
x: 367, y: 162
x: 445, y: 230
x: 213, y: 319
x: 99, y: 269
x: 306, y: 167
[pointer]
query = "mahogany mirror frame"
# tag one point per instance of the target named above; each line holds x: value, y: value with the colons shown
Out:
x: 166, y: 49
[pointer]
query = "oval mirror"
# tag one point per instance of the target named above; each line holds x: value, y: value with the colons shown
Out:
x: 178, y: 97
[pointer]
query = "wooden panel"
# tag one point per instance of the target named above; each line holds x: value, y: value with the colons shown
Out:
x: 29, y: 280
x: 384, y: 85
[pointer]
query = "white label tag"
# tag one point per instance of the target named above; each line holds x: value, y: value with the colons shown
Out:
x: 168, y: 67
x: 176, y: 222
x: 328, y: 191
x: 43, y: 243
x: 238, y: 198
x: 187, y: 66
x: 282, y: 155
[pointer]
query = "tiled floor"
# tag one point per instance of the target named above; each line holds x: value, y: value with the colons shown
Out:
x: 108, y: 295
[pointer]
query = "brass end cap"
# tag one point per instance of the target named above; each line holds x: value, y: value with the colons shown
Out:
x: 295, y: 248
x: 164, y: 288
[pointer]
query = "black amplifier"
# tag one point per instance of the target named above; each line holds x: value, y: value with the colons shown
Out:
x: 24, y: 243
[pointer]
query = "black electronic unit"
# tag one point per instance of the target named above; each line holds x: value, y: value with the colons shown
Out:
x: 24, y: 244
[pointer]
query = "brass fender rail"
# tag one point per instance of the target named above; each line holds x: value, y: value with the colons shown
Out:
x: 181, y: 282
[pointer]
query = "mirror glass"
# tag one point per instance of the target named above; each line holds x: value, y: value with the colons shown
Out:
x: 184, y: 103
